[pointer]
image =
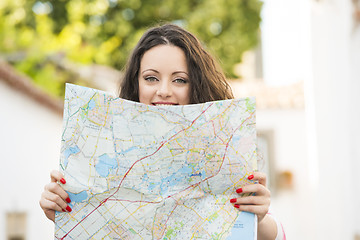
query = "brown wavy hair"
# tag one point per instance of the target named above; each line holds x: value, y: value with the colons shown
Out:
x: 207, y: 80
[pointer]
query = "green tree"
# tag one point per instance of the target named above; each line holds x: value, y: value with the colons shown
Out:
x: 33, y: 32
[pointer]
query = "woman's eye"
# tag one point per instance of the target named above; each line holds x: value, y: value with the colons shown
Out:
x: 180, y: 80
x: 151, y: 79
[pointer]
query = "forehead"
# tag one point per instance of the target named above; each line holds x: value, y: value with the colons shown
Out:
x: 162, y: 56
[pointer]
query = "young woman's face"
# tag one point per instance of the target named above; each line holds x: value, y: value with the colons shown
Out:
x: 164, y: 77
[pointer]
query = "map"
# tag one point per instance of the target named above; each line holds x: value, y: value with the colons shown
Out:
x: 137, y: 171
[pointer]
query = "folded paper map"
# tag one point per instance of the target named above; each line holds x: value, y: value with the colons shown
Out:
x: 137, y: 171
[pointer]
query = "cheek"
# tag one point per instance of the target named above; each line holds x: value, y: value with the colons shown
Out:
x: 186, y: 95
x: 141, y: 92
x: 145, y: 94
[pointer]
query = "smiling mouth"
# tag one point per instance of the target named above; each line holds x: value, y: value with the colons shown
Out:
x: 164, y: 104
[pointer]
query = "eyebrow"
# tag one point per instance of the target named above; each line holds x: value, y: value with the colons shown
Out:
x: 150, y: 70
x: 176, y: 72
x: 180, y: 72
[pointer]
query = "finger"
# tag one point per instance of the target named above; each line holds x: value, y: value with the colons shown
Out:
x: 50, y: 214
x: 260, y: 211
x: 48, y: 205
x: 259, y: 177
x: 253, y: 200
x: 257, y: 189
x: 58, y: 200
x: 56, y: 189
x: 57, y: 176
x: 257, y: 209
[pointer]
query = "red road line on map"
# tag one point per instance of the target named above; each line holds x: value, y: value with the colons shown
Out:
x: 163, y: 143
x: 192, y: 186
x: 227, y: 145
x: 212, y: 123
x: 196, y: 184
x: 168, y: 219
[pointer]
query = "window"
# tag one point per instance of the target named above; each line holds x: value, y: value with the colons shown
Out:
x: 16, y: 225
x: 265, y: 140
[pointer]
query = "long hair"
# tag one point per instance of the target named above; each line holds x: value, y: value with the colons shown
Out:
x: 207, y: 81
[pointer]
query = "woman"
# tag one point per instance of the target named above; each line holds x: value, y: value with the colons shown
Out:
x: 170, y: 67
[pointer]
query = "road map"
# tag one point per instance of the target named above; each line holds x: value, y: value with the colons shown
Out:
x: 137, y: 171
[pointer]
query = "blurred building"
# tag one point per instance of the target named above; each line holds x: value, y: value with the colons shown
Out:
x: 316, y: 42
x: 282, y: 142
x: 30, y: 126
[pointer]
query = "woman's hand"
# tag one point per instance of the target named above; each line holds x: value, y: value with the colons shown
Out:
x: 54, y: 198
x: 257, y: 202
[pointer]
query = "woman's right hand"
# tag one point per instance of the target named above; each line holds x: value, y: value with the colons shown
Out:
x: 54, y: 198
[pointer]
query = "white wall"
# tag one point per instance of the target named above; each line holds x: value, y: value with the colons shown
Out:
x: 285, y: 30
x: 354, y: 121
x: 30, y: 146
x: 335, y: 83
x: 317, y: 40
x: 293, y: 206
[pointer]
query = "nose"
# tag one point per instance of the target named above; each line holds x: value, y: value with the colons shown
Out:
x: 164, y: 89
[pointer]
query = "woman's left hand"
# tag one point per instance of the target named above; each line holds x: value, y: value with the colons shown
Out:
x: 259, y: 201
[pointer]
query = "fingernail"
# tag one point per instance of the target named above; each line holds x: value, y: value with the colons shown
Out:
x: 233, y: 200
x: 68, y: 209
x: 239, y: 190
x: 62, y: 180
x: 250, y: 177
x: 63, y: 210
x: 237, y: 205
x: 68, y: 200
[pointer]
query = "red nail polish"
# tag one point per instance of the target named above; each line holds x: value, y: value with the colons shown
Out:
x: 63, y: 210
x: 239, y: 190
x: 237, y: 205
x: 250, y: 177
x: 68, y: 209
x: 68, y: 200
x: 233, y: 200
x: 62, y: 180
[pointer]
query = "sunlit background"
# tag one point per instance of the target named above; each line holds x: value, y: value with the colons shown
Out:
x: 300, y: 58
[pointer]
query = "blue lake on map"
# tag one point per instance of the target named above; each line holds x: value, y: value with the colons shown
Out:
x: 175, y: 179
x: 70, y: 151
x: 78, y: 197
x: 128, y: 150
x: 105, y: 164
x: 91, y: 104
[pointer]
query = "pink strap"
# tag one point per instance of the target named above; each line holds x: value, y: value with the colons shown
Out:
x: 282, y: 228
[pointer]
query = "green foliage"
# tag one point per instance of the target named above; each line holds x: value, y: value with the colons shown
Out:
x: 105, y: 31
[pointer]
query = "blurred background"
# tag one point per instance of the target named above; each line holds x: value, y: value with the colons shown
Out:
x: 300, y: 58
